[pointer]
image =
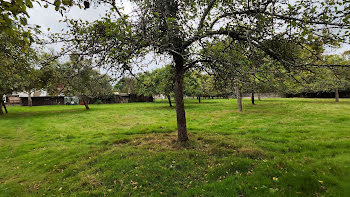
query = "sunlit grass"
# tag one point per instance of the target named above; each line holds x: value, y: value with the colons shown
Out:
x: 288, y: 147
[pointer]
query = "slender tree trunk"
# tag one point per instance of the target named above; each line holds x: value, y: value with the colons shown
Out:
x: 169, y: 99
x: 86, y: 104
x: 30, y: 101
x: 199, y: 99
x: 259, y: 96
x: 336, y: 95
x: 180, y: 106
x: 3, y: 103
x: 239, y: 99
x: 253, y: 98
x: 1, y: 112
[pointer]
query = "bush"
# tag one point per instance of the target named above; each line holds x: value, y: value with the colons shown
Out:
x: 98, y: 102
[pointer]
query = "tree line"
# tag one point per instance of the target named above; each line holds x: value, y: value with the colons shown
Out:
x: 253, y: 80
x: 24, y: 69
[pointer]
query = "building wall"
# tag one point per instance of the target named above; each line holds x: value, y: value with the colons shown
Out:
x: 124, y: 98
x: 342, y: 94
x: 39, y: 101
x: 13, y: 100
x: 135, y: 98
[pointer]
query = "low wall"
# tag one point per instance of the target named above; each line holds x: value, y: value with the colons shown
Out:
x: 342, y: 94
x: 39, y: 101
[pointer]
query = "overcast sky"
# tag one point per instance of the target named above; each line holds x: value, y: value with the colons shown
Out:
x: 48, y: 18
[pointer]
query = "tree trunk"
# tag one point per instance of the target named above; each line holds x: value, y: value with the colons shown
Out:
x: 1, y: 112
x: 259, y: 96
x: 336, y: 95
x: 3, y: 103
x: 30, y: 101
x: 86, y: 104
x: 169, y: 99
x: 199, y: 99
x: 253, y: 98
x: 180, y: 106
x: 239, y: 99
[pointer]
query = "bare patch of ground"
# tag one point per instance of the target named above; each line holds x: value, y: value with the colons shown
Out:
x: 215, y: 144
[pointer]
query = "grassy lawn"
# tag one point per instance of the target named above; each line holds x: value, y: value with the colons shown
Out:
x: 280, y: 147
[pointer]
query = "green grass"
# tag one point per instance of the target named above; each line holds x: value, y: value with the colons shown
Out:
x: 280, y: 147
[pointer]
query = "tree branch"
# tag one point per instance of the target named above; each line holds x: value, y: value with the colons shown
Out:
x: 205, y: 14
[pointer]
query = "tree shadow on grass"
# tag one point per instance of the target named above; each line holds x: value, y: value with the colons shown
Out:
x: 14, y: 115
x: 187, y: 106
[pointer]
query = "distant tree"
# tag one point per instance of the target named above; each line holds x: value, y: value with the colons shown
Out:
x: 231, y: 65
x: 340, y: 76
x: 193, y: 85
x: 15, y: 65
x: 78, y: 78
x: 33, y: 81
x: 163, y: 79
x: 144, y: 84
x: 321, y: 78
x: 200, y: 84
x: 159, y: 81
x: 125, y: 85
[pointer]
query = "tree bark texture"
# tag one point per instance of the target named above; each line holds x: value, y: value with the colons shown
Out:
x: 180, y: 106
x: 336, y: 95
x: 253, y: 98
x: 1, y: 112
x: 169, y: 99
x: 239, y: 99
x: 30, y: 101
x: 5, y: 108
x: 86, y: 104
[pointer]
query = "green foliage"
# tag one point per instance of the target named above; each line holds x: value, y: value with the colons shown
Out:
x: 34, y: 80
x: 77, y: 78
x: 17, y: 63
x: 145, y: 84
x: 125, y: 85
x: 238, y: 65
x: 14, y: 15
x: 321, y: 78
x: 199, y: 84
x: 161, y: 81
x: 98, y: 102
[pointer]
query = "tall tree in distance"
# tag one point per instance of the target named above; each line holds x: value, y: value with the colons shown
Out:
x: 164, y: 82
x: 78, y: 78
x: 16, y: 62
x: 125, y: 85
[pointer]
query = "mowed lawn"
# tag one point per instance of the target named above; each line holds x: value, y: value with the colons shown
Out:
x: 279, y: 147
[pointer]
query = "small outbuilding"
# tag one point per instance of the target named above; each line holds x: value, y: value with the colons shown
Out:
x: 43, y: 100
